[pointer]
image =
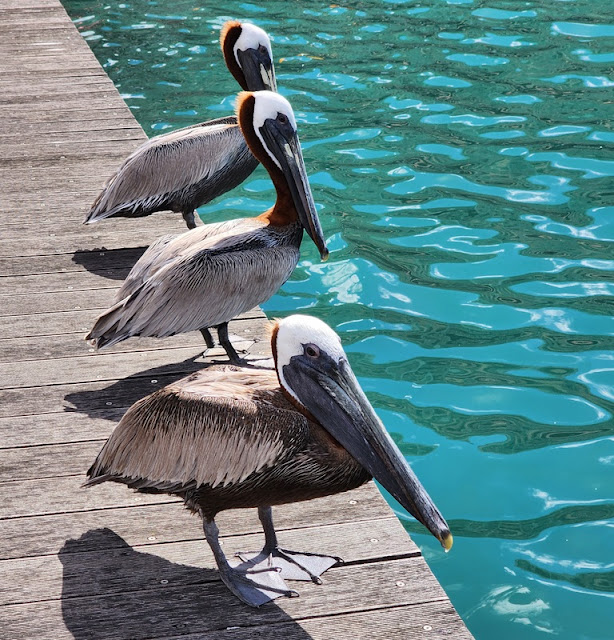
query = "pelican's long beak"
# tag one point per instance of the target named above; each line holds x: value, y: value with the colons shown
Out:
x: 331, y: 393
x: 258, y: 69
x: 286, y: 148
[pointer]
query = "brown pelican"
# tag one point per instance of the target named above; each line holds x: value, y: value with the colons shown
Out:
x: 188, y: 167
x: 246, y: 438
x: 205, y: 277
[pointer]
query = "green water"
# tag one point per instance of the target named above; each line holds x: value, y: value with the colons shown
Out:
x: 461, y: 157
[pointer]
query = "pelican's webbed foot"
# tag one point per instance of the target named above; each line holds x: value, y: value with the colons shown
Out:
x: 293, y: 565
x: 253, y: 585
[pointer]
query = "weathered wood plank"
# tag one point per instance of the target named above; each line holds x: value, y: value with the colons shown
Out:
x: 69, y: 345
x: 88, y: 398
x: 39, y: 578
x: 41, y: 323
x: 57, y: 428
x: 48, y: 461
x: 69, y: 149
x: 111, y: 365
x: 434, y: 620
x: 73, y: 114
x: 70, y: 138
x: 120, y: 260
x: 370, y: 586
x: 171, y: 522
x: 56, y: 302
x: 61, y: 495
x: 43, y: 128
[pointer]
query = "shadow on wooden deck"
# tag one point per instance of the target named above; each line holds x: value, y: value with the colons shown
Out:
x: 117, y: 591
x: 127, y: 391
x: 114, y: 264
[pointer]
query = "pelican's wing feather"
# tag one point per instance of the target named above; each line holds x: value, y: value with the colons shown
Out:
x: 169, y: 247
x: 170, y: 163
x: 199, y: 284
x: 211, y: 428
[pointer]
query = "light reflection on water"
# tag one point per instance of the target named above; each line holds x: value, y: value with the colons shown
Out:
x: 461, y: 159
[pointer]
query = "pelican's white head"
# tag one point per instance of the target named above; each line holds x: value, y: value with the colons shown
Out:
x: 269, y: 105
x: 248, y: 55
x: 299, y: 335
x: 252, y: 37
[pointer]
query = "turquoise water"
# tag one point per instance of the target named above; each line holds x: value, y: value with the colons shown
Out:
x: 461, y: 157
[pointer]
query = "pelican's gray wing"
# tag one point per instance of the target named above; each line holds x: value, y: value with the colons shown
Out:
x: 213, y: 428
x: 166, y: 249
x: 186, y: 167
x: 202, y: 284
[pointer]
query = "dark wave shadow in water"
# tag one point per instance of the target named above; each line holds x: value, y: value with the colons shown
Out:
x: 114, y: 264
x: 125, y: 392
x: 602, y: 581
x: 118, y: 593
x: 519, y: 433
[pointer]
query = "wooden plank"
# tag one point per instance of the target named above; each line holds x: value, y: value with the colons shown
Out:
x: 69, y: 345
x: 90, y: 398
x: 43, y: 129
x: 62, y: 495
x: 69, y: 150
x: 172, y: 522
x: 58, y: 301
x: 35, y: 579
x: 63, y: 138
x: 121, y: 260
x: 109, y: 365
x: 74, y: 114
x: 49, y: 461
x: 57, y: 428
x: 158, y: 609
x: 436, y: 620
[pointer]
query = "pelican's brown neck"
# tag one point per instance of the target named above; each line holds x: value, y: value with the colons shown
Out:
x: 283, y: 211
x: 231, y: 32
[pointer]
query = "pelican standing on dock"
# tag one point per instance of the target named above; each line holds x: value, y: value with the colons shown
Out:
x: 205, y: 277
x: 184, y: 169
x: 247, y: 438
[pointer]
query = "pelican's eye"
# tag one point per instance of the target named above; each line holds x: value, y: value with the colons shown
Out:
x: 312, y: 351
x: 282, y: 118
x: 263, y: 50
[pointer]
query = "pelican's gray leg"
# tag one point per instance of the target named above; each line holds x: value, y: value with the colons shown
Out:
x: 294, y: 565
x: 188, y: 216
x: 208, y: 338
x: 253, y: 585
x: 222, y: 334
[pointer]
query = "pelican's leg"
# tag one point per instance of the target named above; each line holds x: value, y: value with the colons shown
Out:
x: 222, y: 334
x: 188, y: 216
x: 294, y: 565
x: 254, y: 586
x: 208, y: 338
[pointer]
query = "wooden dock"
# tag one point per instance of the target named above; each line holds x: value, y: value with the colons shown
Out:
x: 106, y: 563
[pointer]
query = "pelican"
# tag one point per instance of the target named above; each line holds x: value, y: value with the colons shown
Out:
x: 253, y: 438
x: 205, y: 277
x: 186, y: 168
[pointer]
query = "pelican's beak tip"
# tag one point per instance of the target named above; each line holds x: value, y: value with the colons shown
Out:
x: 447, y: 540
x: 324, y: 254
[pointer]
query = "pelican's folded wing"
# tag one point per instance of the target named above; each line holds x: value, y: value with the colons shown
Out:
x: 184, y: 437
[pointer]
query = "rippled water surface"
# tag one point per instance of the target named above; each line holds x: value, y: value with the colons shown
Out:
x: 461, y: 156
